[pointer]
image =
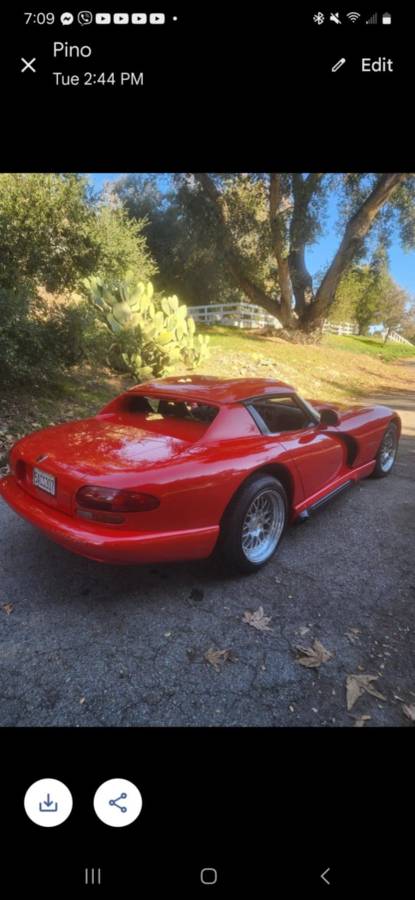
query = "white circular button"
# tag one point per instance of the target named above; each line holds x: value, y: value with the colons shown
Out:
x: 118, y: 802
x: 48, y: 802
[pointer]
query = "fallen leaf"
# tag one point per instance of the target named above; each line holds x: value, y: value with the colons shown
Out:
x: 352, y: 635
x: 8, y: 608
x: 313, y: 657
x: 360, y: 721
x: 167, y: 634
x: 257, y: 619
x: 409, y: 711
x: 82, y: 700
x: 216, y: 657
x: 356, y: 685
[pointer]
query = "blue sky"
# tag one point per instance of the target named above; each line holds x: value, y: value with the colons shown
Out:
x: 402, y: 264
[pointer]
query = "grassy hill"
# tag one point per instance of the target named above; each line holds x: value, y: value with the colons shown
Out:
x: 339, y: 368
x: 372, y: 345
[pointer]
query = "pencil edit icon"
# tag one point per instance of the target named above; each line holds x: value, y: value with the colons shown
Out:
x: 338, y: 65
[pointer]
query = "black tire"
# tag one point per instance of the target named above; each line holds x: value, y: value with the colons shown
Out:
x: 264, y: 489
x: 389, y: 441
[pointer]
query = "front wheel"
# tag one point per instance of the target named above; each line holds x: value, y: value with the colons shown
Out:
x: 254, y: 524
x: 386, y: 455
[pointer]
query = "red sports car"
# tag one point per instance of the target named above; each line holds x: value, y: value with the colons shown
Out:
x: 174, y: 468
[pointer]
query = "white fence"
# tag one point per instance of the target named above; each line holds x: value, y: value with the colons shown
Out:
x: 353, y: 328
x: 397, y: 338
x: 340, y: 328
x: 247, y: 315
x: 238, y: 315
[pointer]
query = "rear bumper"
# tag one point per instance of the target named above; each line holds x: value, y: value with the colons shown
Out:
x: 108, y: 544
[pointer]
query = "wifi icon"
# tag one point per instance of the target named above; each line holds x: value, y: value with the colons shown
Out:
x: 353, y: 16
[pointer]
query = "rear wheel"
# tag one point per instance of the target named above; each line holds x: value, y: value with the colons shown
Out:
x: 386, y: 456
x: 254, y: 524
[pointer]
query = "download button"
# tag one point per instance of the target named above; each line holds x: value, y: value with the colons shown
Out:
x: 48, y: 802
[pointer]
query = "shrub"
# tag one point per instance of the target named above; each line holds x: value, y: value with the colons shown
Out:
x: 150, y: 334
x: 38, y: 340
x: 27, y: 348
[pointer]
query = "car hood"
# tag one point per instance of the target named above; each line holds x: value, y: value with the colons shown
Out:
x: 350, y: 414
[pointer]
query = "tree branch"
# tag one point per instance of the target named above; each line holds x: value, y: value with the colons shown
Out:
x: 356, y: 229
x: 232, y: 255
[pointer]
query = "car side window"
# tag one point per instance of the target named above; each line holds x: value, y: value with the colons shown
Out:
x: 281, y: 414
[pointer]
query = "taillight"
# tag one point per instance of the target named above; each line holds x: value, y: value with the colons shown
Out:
x: 115, y: 501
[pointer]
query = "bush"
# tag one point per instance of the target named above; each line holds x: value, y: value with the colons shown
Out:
x: 77, y: 335
x: 25, y: 349
x: 150, y: 334
x: 37, y: 341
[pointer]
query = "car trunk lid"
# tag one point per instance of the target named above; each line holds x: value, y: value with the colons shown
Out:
x: 53, y: 463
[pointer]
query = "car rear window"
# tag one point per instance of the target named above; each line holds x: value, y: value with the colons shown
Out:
x: 166, y: 408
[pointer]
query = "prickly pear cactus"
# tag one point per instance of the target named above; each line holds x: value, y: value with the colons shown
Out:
x: 152, y: 334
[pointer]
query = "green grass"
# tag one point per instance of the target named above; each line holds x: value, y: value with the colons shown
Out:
x: 372, y: 345
x: 336, y: 369
x: 237, y: 339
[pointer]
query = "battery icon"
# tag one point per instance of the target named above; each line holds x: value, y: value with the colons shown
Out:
x: 386, y: 19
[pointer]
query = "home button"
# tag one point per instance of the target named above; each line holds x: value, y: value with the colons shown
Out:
x: 209, y: 876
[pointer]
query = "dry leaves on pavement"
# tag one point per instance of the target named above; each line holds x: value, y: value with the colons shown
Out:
x: 8, y: 608
x: 216, y: 657
x: 360, y: 721
x: 313, y: 657
x: 257, y: 619
x: 409, y: 711
x: 356, y: 685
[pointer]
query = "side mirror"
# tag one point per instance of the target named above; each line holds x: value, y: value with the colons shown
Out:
x: 329, y: 417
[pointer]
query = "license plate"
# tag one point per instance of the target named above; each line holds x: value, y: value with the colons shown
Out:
x: 44, y: 481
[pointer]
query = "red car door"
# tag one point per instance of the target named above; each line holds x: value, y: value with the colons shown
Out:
x: 319, y: 455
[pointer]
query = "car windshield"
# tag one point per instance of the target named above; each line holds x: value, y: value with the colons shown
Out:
x: 313, y: 412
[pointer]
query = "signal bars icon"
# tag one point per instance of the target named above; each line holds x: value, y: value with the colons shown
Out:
x: 372, y: 20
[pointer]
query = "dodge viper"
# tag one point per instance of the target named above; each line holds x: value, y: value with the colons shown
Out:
x: 174, y: 468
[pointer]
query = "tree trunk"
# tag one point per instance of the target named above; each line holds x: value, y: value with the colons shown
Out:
x: 356, y: 229
x: 280, y: 241
x: 234, y: 260
x: 302, y: 282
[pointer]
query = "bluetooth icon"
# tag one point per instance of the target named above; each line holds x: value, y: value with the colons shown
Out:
x: 318, y: 18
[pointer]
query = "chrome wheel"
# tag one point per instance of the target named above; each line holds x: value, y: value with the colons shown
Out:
x: 263, y: 525
x: 388, y: 450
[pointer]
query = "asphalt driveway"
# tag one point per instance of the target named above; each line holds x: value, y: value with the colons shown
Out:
x: 85, y: 644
